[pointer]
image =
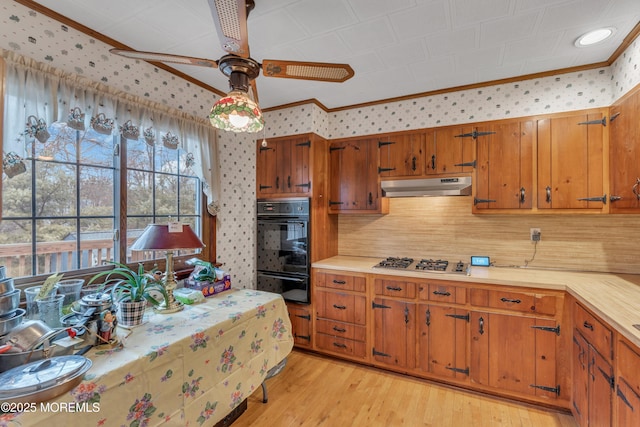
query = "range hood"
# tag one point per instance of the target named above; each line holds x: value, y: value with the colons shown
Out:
x: 454, y: 186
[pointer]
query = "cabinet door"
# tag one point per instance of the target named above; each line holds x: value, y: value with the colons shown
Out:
x: 298, y: 179
x: 266, y: 170
x: 580, y: 383
x: 282, y: 167
x: 402, y: 155
x: 442, y: 341
x: 627, y: 405
x: 504, y: 173
x: 300, y: 317
x: 354, y: 176
x: 600, y: 390
x: 570, y: 162
x: 624, y: 143
x: 394, y: 330
x: 450, y: 150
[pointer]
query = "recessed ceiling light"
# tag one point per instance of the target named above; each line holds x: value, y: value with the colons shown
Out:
x: 595, y: 36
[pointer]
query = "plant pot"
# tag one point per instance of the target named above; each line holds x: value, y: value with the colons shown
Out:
x: 131, y: 313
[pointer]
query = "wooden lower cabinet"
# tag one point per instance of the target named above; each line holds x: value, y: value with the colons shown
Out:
x: 627, y: 399
x: 394, y: 333
x: 341, y: 314
x: 514, y: 353
x: 592, y: 385
x: 300, y: 316
x: 442, y: 341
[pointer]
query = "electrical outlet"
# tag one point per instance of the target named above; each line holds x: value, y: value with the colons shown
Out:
x: 535, y: 234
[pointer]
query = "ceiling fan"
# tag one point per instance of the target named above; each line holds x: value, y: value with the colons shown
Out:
x: 237, y: 111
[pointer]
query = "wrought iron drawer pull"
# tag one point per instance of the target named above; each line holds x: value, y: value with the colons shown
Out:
x: 443, y: 293
x: 515, y: 301
x: 340, y: 307
x: 393, y: 288
x: 588, y: 325
x: 335, y: 328
x: 340, y: 282
x: 339, y: 345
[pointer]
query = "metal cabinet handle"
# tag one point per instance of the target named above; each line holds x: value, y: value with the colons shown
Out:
x: 340, y: 307
x: 588, y: 325
x: 335, y: 328
x: 414, y: 166
x: 602, y: 199
x: 515, y: 301
x: 339, y: 282
x: 443, y: 293
x: 481, y: 326
x: 289, y: 181
x: 406, y: 315
x: 634, y: 189
x: 548, y: 190
x: 339, y: 345
x: 522, y: 195
x: 278, y: 182
x: 433, y: 162
x: 393, y: 288
x: 370, y: 199
x: 427, y: 314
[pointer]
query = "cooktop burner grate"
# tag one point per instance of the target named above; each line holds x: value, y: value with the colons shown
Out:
x: 394, y: 262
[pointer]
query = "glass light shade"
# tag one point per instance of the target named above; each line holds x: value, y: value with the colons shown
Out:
x: 236, y: 112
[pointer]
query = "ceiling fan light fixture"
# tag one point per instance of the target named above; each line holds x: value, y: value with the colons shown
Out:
x: 236, y: 112
x: 595, y: 36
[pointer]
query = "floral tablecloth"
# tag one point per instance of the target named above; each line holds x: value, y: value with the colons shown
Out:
x: 189, y: 368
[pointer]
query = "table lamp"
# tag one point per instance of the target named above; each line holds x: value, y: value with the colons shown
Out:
x: 168, y: 237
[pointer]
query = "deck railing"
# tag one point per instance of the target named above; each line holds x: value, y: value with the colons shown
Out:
x: 61, y: 256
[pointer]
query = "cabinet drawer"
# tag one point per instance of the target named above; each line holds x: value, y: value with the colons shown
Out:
x: 515, y: 301
x: 341, y: 329
x: 342, y: 307
x: 340, y: 345
x: 341, y: 281
x: 443, y: 292
x: 395, y: 288
x: 595, y: 332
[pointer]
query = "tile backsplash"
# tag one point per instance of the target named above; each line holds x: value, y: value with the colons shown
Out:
x: 44, y: 39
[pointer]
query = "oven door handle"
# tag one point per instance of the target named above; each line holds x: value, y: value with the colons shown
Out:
x: 278, y: 276
x: 280, y: 222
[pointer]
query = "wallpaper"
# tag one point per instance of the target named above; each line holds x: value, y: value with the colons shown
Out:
x: 44, y: 39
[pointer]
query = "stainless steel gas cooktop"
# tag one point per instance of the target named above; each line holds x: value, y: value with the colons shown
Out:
x: 423, y: 265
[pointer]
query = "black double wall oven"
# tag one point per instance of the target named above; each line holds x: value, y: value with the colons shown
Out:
x: 282, y: 247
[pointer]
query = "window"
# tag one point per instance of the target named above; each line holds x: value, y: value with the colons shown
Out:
x: 82, y: 180
x: 61, y: 213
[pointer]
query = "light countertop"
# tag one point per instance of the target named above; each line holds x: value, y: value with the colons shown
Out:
x: 613, y: 297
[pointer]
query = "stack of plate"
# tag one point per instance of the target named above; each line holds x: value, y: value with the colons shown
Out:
x: 10, y: 313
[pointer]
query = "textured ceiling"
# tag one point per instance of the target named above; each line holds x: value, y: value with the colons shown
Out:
x: 397, y: 48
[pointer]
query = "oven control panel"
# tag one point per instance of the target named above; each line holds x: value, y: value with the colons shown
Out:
x: 283, y: 207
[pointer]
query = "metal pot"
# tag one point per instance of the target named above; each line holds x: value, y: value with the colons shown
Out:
x: 94, y: 319
x: 28, y: 335
x: 9, y: 360
x: 43, y: 380
x: 9, y: 302
x: 10, y: 322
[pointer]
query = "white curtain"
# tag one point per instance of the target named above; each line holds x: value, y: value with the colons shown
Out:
x: 48, y: 94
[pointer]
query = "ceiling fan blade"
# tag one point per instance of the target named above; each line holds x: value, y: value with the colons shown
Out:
x: 230, y: 19
x: 165, y: 57
x: 323, y: 71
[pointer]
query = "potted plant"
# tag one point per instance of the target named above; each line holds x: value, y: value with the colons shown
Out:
x: 132, y: 290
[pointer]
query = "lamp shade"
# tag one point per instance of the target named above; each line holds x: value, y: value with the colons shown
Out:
x: 236, y: 112
x: 167, y: 237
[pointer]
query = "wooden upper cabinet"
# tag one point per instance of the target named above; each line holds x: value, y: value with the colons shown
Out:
x: 504, y: 172
x: 353, y: 177
x: 283, y: 167
x: 624, y: 154
x: 450, y: 150
x: 402, y: 155
x: 570, y: 162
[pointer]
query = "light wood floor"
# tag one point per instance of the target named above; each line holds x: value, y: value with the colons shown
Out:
x: 314, y: 390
